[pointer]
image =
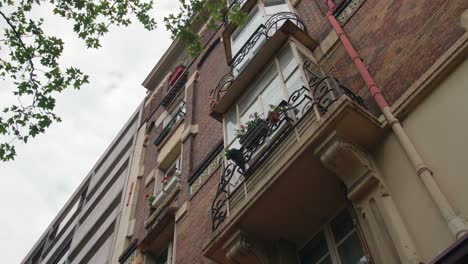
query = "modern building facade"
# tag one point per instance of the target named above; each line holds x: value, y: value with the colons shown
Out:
x: 316, y: 132
x: 86, y: 230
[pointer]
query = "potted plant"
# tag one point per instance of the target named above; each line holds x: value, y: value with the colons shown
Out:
x: 150, y: 199
x: 250, y: 134
x: 236, y: 156
x: 274, y: 113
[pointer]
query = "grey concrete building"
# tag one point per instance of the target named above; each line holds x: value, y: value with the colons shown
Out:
x: 86, y: 228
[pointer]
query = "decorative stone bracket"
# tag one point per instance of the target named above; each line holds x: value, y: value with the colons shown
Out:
x: 241, y: 248
x: 383, y: 227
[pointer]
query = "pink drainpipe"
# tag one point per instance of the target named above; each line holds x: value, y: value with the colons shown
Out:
x: 456, y: 224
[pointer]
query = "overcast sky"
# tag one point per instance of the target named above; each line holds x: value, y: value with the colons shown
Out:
x: 48, y: 169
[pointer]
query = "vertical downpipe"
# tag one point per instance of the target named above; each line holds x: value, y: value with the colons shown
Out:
x: 456, y: 224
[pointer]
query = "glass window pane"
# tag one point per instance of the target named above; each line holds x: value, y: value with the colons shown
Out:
x: 254, y: 107
x: 242, y: 34
x: 162, y: 258
x: 326, y: 260
x: 294, y: 82
x: 257, y: 87
x: 314, y: 250
x: 287, y: 62
x: 350, y: 250
x: 273, y: 94
x: 231, y: 125
x: 341, y: 225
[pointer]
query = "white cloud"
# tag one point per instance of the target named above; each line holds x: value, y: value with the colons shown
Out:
x: 48, y: 169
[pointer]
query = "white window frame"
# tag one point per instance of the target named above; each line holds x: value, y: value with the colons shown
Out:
x: 296, y: 51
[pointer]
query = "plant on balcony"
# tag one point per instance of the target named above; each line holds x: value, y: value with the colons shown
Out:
x: 236, y: 156
x: 252, y: 132
x: 274, y: 113
x: 150, y: 199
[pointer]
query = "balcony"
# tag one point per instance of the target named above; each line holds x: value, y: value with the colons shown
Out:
x: 253, y: 55
x: 170, y: 123
x: 278, y: 188
x: 176, y: 87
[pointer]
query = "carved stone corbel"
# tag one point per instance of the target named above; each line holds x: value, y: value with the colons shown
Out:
x: 367, y: 190
x: 351, y: 164
x: 241, y: 247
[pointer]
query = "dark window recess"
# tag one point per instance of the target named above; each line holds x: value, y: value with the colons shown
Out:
x: 176, y: 84
x: 162, y: 258
x: 208, y: 52
x: 150, y: 127
x: 37, y: 255
x: 341, y: 5
x: 128, y: 251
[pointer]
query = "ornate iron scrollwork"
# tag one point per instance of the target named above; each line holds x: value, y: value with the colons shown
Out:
x: 325, y: 90
x: 264, y: 31
x: 218, y: 207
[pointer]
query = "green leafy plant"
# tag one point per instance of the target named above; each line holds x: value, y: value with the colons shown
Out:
x: 275, y: 108
x: 183, y: 24
x: 253, y: 118
x: 30, y: 58
x: 150, y: 199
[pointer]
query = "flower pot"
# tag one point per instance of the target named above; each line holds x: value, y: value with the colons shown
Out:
x: 273, y: 117
x: 254, y: 135
x: 237, y: 157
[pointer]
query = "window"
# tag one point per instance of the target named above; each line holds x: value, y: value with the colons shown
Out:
x: 169, y: 122
x: 257, y: 16
x: 165, y: 257
x: 68, y: 217
x: 37, y: 255
x: 173, y: 169
x: 337, y: 243
x: 63, y: 256
x: 162, y: 258
x: 341, y: 5
x: 276, y: 83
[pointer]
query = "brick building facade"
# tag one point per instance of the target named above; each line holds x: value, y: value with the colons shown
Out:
x: 341, y: 175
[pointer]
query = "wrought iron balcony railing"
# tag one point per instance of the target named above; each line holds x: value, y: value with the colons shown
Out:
x: 263, y: 32
x: 175, y: 89
x: 321, y: 94
x: 173, y: 120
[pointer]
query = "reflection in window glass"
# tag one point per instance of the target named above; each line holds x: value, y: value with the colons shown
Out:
x: 267, y: 89
x: 340, y: 239
x: 162, y: 258
x: 287, y: 62
x: 350, y: 250
x: 231, y: 124
x: 315, y: 251
x: 272, y: 95
x: 342, y: 225
x: 242, y: 34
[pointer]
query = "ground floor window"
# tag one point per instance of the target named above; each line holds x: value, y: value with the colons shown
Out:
x: 337, y: 243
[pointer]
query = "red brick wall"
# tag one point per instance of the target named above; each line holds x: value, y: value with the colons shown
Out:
x: 399, y: 40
